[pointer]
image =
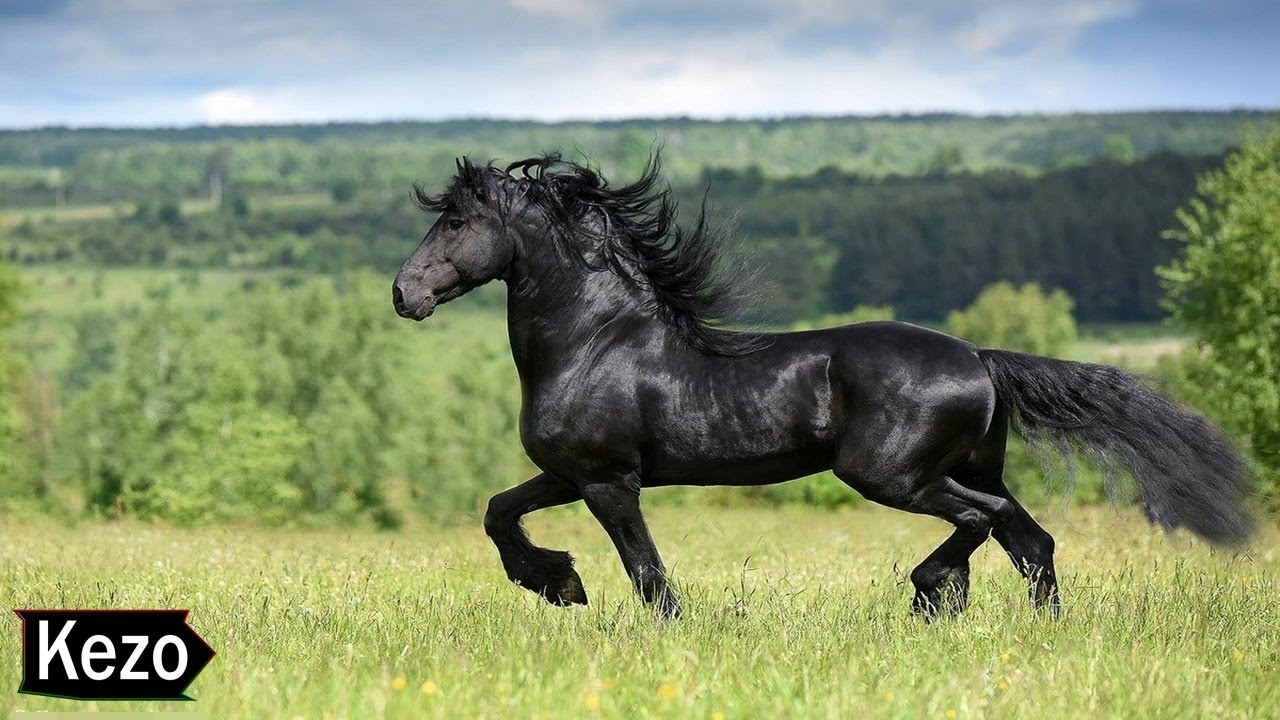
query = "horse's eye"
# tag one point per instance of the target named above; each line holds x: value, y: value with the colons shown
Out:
x: 456, y: 223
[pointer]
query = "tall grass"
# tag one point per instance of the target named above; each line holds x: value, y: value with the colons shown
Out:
x: 789, y: 613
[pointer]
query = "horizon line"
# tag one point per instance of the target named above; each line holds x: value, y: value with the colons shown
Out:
x: 653, y: 119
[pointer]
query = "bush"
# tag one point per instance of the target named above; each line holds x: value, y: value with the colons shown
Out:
x: 307, y: 399
x: 1025, y: 319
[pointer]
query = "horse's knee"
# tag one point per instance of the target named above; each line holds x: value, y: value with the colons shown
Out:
x: 981, y: 521
x: 496, y: 519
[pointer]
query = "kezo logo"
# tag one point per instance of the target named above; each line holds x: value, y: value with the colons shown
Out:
x: 110, y: 654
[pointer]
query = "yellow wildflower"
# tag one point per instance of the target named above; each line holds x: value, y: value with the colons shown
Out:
x: 666, y: 691
x: 429, y: 688
x: 591, y: 700
x: 398, y: 684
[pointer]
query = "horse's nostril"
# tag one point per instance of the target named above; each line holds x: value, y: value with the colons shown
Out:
x: 397, y: 297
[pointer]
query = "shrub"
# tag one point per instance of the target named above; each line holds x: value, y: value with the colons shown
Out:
x: 1025, y: 319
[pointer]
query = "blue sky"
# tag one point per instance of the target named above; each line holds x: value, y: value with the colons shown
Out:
x: 180, y: 62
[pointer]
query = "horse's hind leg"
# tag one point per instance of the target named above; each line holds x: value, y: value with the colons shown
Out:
x: 1030, y: 548
x: 1028, y: 545
x: 548, y: 573
x: 910, y: 476
x: 942, y: 580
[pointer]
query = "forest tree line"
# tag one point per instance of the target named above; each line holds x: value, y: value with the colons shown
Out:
x: 53, y: 166
x: 927, y: 245
x: 825, y: 242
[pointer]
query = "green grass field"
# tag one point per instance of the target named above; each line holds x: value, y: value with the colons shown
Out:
x: 789, y: 613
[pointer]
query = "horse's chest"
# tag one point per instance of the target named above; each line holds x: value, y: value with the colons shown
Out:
x: 579, y: 424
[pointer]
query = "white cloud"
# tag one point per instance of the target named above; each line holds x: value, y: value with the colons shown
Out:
x: 1037, y: 28
x: 230, y: 106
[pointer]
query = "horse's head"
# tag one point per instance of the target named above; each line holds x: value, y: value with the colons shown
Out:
x: 469, y: 245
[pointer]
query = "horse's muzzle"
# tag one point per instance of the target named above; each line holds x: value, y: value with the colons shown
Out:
x: 416, y: 292
x: 415, y: 308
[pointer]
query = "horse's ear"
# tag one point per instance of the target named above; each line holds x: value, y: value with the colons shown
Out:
x: 457, y: 163
x: 473, y: 178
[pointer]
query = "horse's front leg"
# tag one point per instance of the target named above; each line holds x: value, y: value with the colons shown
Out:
x: 617, y: 506
x: 548, y: 573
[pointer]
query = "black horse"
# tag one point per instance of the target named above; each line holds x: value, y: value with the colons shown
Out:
x: 627, y: 383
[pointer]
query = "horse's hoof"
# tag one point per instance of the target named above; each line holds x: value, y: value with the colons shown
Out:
x: 1045, y: 598
x: 927, y: 606
x: 950, y: 596
x: 570, y: 592
x: 668, y: 607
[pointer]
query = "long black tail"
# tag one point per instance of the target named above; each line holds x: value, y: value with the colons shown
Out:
x: 1187, y: 472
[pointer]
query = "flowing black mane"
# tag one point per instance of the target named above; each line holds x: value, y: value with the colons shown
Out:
x: 632, y: 230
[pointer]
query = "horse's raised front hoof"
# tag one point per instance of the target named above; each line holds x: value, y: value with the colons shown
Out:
x: 550, y: 575
x: 945, y: 597
x: 568, y: 592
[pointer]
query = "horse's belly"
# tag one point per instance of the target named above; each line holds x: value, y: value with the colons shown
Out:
x: 737, y: 452
x: 758, y: 470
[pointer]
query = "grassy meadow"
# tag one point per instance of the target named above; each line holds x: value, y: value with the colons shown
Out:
x: 789, y: 612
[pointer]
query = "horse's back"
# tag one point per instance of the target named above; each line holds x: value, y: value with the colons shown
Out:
x: 892, y: 359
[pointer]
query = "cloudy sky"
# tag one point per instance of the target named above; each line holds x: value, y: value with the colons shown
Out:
x: 179, y: 62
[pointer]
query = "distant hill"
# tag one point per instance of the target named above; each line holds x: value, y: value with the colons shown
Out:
x: 42, y: 166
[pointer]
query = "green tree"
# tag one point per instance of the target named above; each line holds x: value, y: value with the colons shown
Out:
x: 1026, y: 319
x: 170, y: 212
x: 1226, y: 289
x: 632, y: 150
x: 12, y: 372
x: 343, y: 190
x: 11, y: 290
x: 944, y: 160
x: 1119, y: 147
x: 795, y: 274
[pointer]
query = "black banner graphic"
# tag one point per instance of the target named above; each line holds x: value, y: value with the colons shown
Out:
x: 110, y: 654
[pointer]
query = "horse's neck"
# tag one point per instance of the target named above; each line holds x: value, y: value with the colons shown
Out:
x: 553, y: 313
